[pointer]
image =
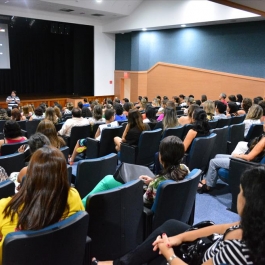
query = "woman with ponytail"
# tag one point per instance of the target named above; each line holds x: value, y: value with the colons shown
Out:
x: 171, y: 152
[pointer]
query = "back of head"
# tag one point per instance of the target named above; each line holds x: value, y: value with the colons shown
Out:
x: 69, y: 105
x: 246, y: 104
x: 171, y: 104
x: 97, y: 112
x: 239, y: 98
x: 200, y: 123
x: 127, y: 106
x: 37, y: 141
x: 170, y: 118
x: 223, y: 95
x: 85, y: 100
x: 109, y: 113
x: 118, y: 108
x: 255, y: 112
x: 191, y: 109
x: 253, y: 215
x: 262, y: 104
x: 171, y: 150
x: 45, y: 187
x: 232, y: 98
x: 203, y: 98
x: 12, y: 129
x: 221, y: 107
x: 76, y: 112
x: 38, y: 111
x: 25, y: 110
x: 150, y: 113
x: 143, y: 103
x: 57, y: 111
x: 209, y: 108
x: 181, y: 96
x: 233, y: 107
x: 15, y: 113
x: 80, y: 105
x: 135, y: 119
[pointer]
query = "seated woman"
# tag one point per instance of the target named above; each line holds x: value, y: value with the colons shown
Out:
x: 200, y: 128
x: 240, y: 242
x: 170, y: 119
x: 80, y: 146
x: 232, y: 109
x: 12, y: 133
x: 254, y: 115
x: 188, y: 119
x: 47, y: 128
x: 150, y: 115
x: 38, y: 114
x: 245, y: 105
x: 46, y: 187
x: 17, y: 116
x: 171, y: 152
x: 97, y: 115
x: 255, y: 154
x: 209, y: 108
x: 51, y: 115
x: 133, y: 130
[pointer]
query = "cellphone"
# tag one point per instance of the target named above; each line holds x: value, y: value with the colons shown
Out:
x: 26, y: 147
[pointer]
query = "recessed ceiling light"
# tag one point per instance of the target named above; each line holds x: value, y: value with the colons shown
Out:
x: 98, y: 1
x: 183, y: 25
x: 144, y: 29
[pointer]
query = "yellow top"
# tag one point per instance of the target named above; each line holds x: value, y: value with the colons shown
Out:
x: 6, y: 226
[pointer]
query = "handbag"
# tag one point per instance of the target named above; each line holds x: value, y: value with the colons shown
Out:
x: 192, y: 252
x: 128, y: 172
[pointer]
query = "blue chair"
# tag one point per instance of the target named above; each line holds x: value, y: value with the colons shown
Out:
x: 220, y: 144
x: 91, y: 171
x: 255, y: 130
x: 235, y: 135
x: 223, y: 122
x: 31, y: 127
x: 144, y: 153
x: 200, y: 152
x: 61, y: 243
x: 115, y: 220
x: 12, y: 163
x: 174, y: 200
x: 8, y: 149
x: 7, y: 188
x: 177, y: 131
x: 237, y: 119
x: 213, y: 124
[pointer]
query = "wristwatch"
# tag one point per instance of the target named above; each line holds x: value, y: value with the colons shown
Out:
x: 170, y: 259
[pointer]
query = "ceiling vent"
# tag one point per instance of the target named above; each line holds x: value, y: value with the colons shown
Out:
x: 66, y: 10
x: 97, y: 15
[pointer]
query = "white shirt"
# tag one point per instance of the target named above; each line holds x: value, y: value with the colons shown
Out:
x: 67, y: 127
x: 248, y: 124
x: 102, y: 126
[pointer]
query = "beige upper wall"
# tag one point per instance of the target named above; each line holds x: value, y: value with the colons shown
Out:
x: 172, y: 80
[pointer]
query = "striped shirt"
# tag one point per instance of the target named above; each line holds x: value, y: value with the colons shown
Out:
x: 13, y: 101
x: 232, y: 252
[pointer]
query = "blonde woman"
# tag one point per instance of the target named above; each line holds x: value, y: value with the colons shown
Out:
x: 209, y: 108
x: 51, y: 116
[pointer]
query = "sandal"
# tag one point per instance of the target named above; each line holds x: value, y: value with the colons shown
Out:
x: 94, y: 262
x: 204, y: 189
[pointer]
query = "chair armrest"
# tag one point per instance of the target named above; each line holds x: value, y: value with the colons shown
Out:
x: 128, y: 153
x: 148, y: 221
x: 92, y: 150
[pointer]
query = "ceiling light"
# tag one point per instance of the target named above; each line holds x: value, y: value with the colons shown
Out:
x: 183, y: 25
x: 144, y: 29
x: 98, y: 1
x: 6, y: 2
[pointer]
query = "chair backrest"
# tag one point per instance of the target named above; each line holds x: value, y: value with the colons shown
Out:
x: 121, y: 122
x: 223, y: 122
x: 237, y: 119
x: 60, y: 243
x: 152, y: 125
x: 255, y: 130
x: 213, y: 124
x: 69, y: 173
x: 107, y: 145
x: 235, y: 134
x: 148, y: 145
x: 78, y: 132
x: 187, y: 127
x: 2, y: 123
x: 7, y: 188
x: 7, y: 149
x: 175, y: 200
x: 91, y: 171
x: 31, y: 127
x: 95, y: 128
x: 220, y: 144
x: 65, y: 151
x: 200, y: 152
x: 180, y: 112
x: 22, y: 124
x: 115, y: 223
x: 177, y: 131
x: 59, y: 126
x: 12, y: 163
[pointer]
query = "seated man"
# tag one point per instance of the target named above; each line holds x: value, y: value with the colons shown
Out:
x: 77, y: 120
x: 81, y: 144
x: 220, y: 109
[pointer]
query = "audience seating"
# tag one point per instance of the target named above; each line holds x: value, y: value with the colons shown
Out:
x: 232, y: 176
x: 237, y: 119
x: 213, y: 124
x: 7, y: 149
x: 2, y: 136
x: 77, y: 132
x: 12, y: 163
x: 61, y: 243
x: 91, y: 171
x: 220, y: 144
x: 174, y: 200
x: 255, y: 130
x: 187, y: 127
x: 223, y: 122
x: 123, y: 128
x: 152, y: 125
x: 67, y: 116
x: 121, y: 122
x: 115, y: 220
x: 95, y: 128
x: 177, y: 131
x: 22, y: 124
x: 2, y: 123
x: 31, y: 127
x: 106, y: 144
x: 200, y: 152
x: 235, y: 134
x: 7, y: 188
x: 65, y: 151
x: 144, y: 153
x: 59, y: 126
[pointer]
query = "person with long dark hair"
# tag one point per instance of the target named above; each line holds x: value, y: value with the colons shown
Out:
x: 44, y: 198
x: 132, y: 130
x: 240, y: 242
x: 200, y: 128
